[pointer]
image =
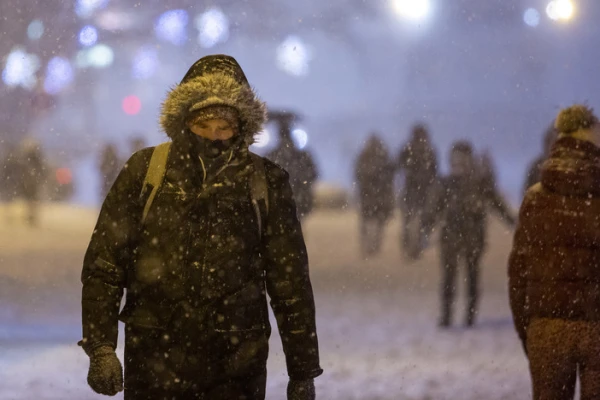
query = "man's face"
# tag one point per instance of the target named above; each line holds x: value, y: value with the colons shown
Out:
x: 461, y: 163
x: 213, y: 129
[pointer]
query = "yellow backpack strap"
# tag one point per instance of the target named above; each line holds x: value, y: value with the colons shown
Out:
x: 155, y: 173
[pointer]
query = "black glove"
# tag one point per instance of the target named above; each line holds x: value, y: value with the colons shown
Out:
x: 301, y: 390
x: 106, y: 372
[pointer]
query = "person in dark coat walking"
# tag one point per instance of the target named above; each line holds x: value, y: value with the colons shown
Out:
x: 374, y: 174
x: 300, y: 165
x: 534, y: 170
x: 554, y: 266
x: 462, y: 202
x: 32, y: 175
x: 199, y: 262
x: 109, y: 167
x: 418, y: 161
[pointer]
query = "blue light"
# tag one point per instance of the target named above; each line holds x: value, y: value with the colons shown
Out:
x: 88, y: 36
x: 300, y: 138
x: 145, y: 62
x: 213, y: 27
x: 85, y: 8
x: 171, y: 26
x: 35, y: 30
x: 59, y: 74
x: 20, y: 69
x: 532, y: 17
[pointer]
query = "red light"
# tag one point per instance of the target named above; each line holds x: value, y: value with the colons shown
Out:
x: 132, y: 105
x: 64, y: 176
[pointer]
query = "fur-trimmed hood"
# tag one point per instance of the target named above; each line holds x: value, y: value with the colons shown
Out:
x: 214, y: 88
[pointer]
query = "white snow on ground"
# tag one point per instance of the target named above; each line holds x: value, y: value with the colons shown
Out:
x: 376, y: 318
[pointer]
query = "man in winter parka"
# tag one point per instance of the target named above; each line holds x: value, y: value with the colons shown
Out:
x: 199, y: 258
x: 554, y: 266
x: 462, y: 203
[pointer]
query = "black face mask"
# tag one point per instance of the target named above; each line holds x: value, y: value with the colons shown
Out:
x: 214, y: 148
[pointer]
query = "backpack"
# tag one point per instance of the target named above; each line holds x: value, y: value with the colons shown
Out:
x: 158, y: 166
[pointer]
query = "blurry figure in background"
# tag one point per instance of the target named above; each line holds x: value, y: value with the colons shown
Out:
x: 418, y: 161
x: 109, y: 167
x: 137, y: 143
x: 298, y: 163
x: 32, y: 177
x: 535, y: 168
x: 487, y: 169
x: 10, y: 174
x: 554, y: 268
x: 199, y: 230
x: 374, y: 174
x: 461, y: 207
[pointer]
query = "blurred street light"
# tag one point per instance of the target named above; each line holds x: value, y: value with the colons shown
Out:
x: 88, y: 36
x: 59, y: 74
x: 293, y: 56
x: 412, y: 9
x: 20, y: 69
x: 85, y: 8
x: 35, y: 30
x: 560, y: 9
x: 213, y: 27
x: 263, y: 139
x: 171, y: 26
x: 300, y: 138
x: 145, y: 62
x: 532, y: 17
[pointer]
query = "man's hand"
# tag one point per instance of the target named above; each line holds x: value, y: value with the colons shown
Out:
x: 105, y: 375
x: 301, y: 390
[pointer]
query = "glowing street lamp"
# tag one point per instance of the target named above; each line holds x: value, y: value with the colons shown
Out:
x: 412, y: 9
x: 560, y: 10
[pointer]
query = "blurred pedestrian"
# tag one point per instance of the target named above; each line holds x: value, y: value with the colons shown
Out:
x: 418, y: 162
x: 32, y: 167
x: 10, y: 175
x: 374, y: 174
x: 109, y: 167
x: 462, y: 203
x: 301, y: 167
x: 199, y: 230
x: 554, y: 267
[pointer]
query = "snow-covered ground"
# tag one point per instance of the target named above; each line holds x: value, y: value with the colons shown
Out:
x: 376, y: 318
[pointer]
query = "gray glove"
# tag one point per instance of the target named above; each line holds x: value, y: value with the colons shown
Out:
x: 301, y: 390
x: 106, y: 372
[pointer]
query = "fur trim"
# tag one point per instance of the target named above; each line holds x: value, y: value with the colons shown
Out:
x: 189, y: 97
x: 575, y: 118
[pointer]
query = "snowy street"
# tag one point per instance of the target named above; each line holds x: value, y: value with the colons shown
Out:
x: 376, y: 318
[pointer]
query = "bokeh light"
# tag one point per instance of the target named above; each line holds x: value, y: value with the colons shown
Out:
x: 88, y: 36
x: 86, y: 8
x: 532, y: 17
x: 171, y: 26
x: 59, y: 74
x: 213, y: 27
x: 412, y: 9
x: 35, y: 30
x: 145, y: 62
x: 293, y: 56
x: 64, y: 176
x: 20, y: 69
x: 560, y: 10
x: 99, y: 56
x: 132, y: 105
x: 300, y: 138
x: 263, y: 139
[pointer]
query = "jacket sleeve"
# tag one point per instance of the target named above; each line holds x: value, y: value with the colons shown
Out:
x: 497, y: 202
x: 288, y: 282
x: 106, y: 260
x: 518, y: 276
